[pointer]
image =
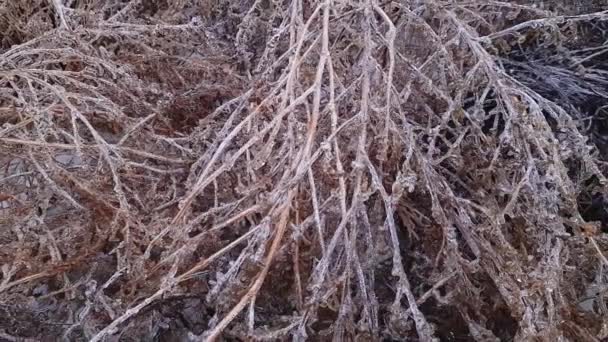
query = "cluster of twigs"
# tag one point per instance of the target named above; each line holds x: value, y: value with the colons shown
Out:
x: 301, y: 169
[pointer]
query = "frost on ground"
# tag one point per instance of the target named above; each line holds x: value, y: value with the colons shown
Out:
x: 303, y: 170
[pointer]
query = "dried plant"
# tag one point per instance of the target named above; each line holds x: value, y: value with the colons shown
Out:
x: 273, y: 170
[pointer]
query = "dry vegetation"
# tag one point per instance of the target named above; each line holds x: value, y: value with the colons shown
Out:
x: 303, y: 170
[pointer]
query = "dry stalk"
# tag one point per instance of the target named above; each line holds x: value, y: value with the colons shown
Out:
x: 355, y: 169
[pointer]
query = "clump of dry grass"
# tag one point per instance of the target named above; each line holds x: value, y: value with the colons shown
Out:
x: 322, y: 169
